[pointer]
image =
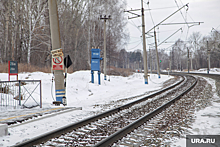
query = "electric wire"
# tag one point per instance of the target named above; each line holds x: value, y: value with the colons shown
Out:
x: 150, y: 13
x: 134, y: 25
x: 188, y: 14
x: 151, y: 20
x: 181, y: 13
x: 134, y: 42
x: 135, y: 46
x: 134, y: 37
x: 185, y: 19
x: 161, y: 8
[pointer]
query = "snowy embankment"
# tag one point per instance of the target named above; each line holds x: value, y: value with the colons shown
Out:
x: 207, y: 120
x: 80, y: 93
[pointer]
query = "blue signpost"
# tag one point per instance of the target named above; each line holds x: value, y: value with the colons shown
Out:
x: 95, y: 64
x: 12, y: 69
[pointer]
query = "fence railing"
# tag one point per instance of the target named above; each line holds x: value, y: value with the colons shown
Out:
x: 21, y: 93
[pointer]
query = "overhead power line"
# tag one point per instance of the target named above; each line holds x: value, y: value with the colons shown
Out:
x: 167, y: 18
x: 182, y: 23
x: 182, y: 13
x: 135, y: 46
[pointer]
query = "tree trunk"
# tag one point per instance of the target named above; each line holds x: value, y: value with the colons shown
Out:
x: 6, y: 32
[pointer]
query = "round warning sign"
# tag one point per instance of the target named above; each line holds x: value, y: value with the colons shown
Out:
x: 57, y: 63
x: 58, y: 60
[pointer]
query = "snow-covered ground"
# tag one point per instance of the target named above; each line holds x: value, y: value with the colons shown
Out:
x: 202, y: 70
x: 82, y: 93
x: 207, y: 121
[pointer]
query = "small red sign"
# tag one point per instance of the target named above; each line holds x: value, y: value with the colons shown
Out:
x: 12, y: 69
x: 58, y: 63
x: 58, y: 60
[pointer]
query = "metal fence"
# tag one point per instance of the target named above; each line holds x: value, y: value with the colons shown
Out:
x: 21, y: 93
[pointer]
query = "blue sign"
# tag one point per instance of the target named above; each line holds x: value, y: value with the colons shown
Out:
x: 95, y: 59
x: 13, y: 67
x: 95, y: 64
x: 95, y: 53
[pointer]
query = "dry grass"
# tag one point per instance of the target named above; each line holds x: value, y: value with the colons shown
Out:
x: 31, y: 68
x: 120, y: 71
x: 25, y: 68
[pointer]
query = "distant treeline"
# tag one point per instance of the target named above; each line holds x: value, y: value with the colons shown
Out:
x: 25, y: 36
x: 25, y: 30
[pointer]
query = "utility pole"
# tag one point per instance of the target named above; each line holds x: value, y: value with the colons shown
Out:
x: 158, y: 68
x: 56, y: 44
x: 172, y: 59
x: 150, y: 61
x: 144, y: 45
x: 109, y: 49
x: 89, y: 36
x: 208, y: 52
x: 144, y: 39
x: 191, y: 60
x: 105, y: 18
x: 188, y: 59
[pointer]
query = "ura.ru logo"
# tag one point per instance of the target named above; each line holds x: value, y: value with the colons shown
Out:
x: 200, y: 140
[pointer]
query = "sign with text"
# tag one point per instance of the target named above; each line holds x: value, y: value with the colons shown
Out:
x: 95, y: 64
x: 57, y: 52
x: 12, y: 69
x: 95, y: 59
x: 202, y: 140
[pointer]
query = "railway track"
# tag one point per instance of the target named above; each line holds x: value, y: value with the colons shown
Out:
x: 172, y: 123
x: 106, y: 128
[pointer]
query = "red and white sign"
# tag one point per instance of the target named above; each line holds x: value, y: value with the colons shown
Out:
x: 57, y: 63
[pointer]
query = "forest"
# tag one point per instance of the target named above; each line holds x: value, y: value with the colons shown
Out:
x: 25, y: 36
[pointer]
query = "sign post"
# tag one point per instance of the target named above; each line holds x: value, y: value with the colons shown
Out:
x: 57, y: 61
x: 58, y: 65
x: 56, y: 45
x: 95, y: 64
x: 12, y: 69
x: 67, y: 64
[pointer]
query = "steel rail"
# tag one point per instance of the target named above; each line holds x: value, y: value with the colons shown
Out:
x: 57, y: 132
x: 192, y: 73
x: 121, y: 133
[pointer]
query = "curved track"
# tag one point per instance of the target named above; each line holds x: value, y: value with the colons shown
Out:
x: 116, y: 123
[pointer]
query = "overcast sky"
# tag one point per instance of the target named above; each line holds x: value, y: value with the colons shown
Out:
x: 207, y: 11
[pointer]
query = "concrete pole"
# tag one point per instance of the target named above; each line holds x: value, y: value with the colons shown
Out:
x: 158, y: 68
x: 188, y: 59
x: 208, y: 57
x: 105, y: 49
x: 191, y: 61
x: 150, y: 61
x: 144, y: 45
x: 56, y: 44
x: 171, y: 54
x: 209, y: 61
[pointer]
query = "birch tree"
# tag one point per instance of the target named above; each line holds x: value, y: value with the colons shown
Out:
x: 35, y: 10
